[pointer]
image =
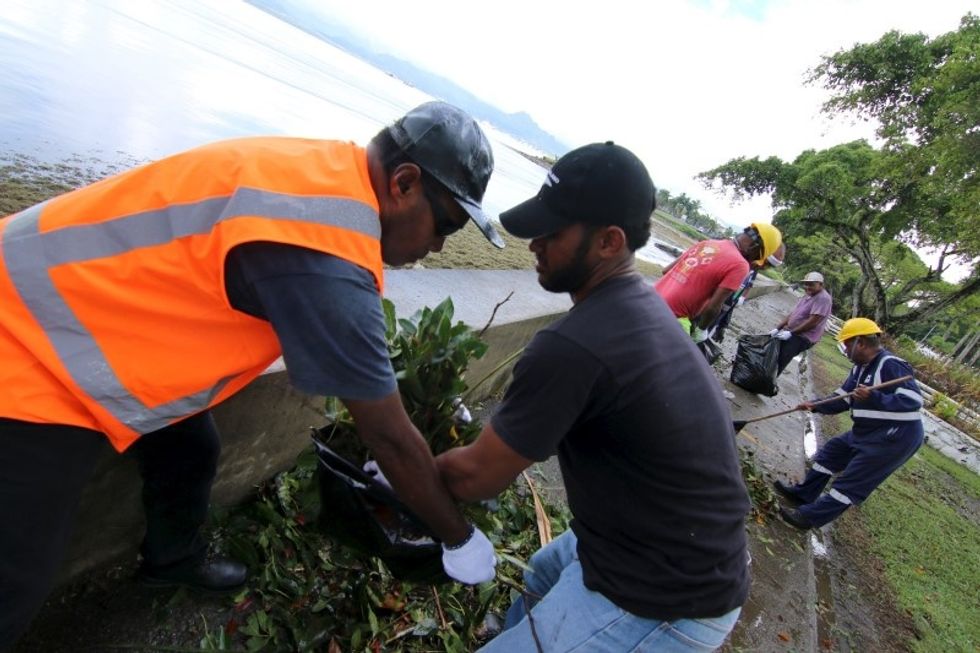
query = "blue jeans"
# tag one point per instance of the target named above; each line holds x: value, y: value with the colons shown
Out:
x: 570, y: 617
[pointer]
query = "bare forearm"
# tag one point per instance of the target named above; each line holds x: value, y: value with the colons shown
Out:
x: 711, y: 308
x: 412, y: 472
x: 481, y: 470
x: 706, y: 317
x: 464, y: 481
x: 413, y: 475
x: 407, y: 463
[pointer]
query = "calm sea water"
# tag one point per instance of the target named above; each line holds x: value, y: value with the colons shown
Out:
x: 123, y: 80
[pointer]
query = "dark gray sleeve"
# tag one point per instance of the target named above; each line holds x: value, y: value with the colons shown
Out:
x: 326, y: 313
x: 553, y: 384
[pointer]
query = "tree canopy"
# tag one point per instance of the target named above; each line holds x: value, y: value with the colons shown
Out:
x: 861, y: 212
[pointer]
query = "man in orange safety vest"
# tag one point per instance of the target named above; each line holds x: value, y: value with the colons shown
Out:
x: 130, y: 307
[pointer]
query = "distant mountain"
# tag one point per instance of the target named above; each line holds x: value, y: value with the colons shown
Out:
x: 520, y: 124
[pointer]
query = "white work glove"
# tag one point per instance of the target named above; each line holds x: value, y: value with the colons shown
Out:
x: 699, y: 335
x: 462, y: 414
x: 774, y: 332
x: 371, y: 467
x: 783, y: 334
x: 472, y: 561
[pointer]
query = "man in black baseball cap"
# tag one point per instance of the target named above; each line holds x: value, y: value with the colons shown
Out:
x: 656, y: 555
x: 597, y: 186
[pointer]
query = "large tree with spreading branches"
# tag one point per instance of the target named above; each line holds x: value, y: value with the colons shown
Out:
x: 875, y: 206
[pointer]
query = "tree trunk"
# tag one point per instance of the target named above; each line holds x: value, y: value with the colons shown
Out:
x: 856, y: 297
x: 969, y: 287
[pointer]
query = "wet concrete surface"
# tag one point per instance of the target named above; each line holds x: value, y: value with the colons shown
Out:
x: 781, y: 613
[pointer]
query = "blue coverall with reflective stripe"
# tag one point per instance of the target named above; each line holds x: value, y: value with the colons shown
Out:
x: 887, y: 431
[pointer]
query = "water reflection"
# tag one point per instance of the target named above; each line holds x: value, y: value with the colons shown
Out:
x: 146, y: 79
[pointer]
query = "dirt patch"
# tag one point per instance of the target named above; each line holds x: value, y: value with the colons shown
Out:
x: 107, y: 610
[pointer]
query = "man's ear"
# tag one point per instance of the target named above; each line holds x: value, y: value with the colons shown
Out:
x: 612, y: 241
x: 404, y: 179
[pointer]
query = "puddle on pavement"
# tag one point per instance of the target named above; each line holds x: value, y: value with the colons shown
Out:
x: 826, y: 617
x: 758, y: 628
x: 809, y: 437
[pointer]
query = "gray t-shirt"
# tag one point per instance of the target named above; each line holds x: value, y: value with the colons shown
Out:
x: 647, y: 452
x: 325, y: 311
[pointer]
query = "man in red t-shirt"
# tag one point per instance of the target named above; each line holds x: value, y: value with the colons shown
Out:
x: 697, y: 284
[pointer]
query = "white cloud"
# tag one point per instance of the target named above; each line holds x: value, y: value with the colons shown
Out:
x: 687, y: 85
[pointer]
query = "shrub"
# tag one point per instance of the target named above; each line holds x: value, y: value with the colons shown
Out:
x: 430, y: 356
x: 944, y: 407
x: 308, y: 593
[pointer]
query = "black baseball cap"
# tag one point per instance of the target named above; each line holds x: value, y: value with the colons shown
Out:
x: 599, y: 184
x: 449, y: 145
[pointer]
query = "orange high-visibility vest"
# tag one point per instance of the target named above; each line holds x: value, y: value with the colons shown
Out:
x: 113, y: 312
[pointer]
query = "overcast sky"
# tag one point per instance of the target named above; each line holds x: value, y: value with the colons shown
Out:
x: 687, y: 85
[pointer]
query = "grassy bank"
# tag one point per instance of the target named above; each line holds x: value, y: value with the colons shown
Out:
x: 469, y: 250
x: 923, y: 527
x: 25, y: 181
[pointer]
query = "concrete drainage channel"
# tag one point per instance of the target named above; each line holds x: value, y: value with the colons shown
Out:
x: 819, y: 542
x: 821, y: 550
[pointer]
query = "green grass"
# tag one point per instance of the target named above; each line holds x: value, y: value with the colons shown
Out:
x: 832, y: 362
x: 684, y: 228
x: 925, y: 528
x: 25, y: 182
x: 469, y: 250
x: 931, y: 552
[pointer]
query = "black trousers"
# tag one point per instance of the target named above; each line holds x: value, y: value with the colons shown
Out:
x: 43, y: 469
x: 788, y: 349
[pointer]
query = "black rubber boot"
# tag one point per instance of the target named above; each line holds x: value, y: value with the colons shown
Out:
x: 213, y: 575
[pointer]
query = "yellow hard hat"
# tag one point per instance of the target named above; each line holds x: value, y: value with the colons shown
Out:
x: 857, y: 326
x: 771, y: 238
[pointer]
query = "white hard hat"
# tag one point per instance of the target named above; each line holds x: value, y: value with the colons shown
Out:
x: 813, y: 276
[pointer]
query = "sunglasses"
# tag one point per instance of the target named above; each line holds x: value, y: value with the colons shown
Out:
x: 444, y: 224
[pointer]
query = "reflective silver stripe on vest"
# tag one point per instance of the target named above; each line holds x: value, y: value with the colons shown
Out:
x: 905, y: 416
x: 911, y: 394
x: 837, y: 495
x: 842, y: 391
x: 817, y: 467
x: 29, y: 254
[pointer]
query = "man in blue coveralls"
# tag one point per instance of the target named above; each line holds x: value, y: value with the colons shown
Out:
x: 887, y: 430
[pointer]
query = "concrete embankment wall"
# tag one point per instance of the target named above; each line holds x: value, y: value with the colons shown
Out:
x: 266, y: 425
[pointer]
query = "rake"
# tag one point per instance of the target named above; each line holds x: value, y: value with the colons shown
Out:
x: 739, y: 424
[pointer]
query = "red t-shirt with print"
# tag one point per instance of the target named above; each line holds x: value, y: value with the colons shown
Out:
x: 704, y: 267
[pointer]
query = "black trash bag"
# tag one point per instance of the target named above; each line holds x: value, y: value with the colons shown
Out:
x: 361, y: 513
x: 756, y: 364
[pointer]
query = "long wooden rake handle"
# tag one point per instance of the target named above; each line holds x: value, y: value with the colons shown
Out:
x: 885, y: 384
